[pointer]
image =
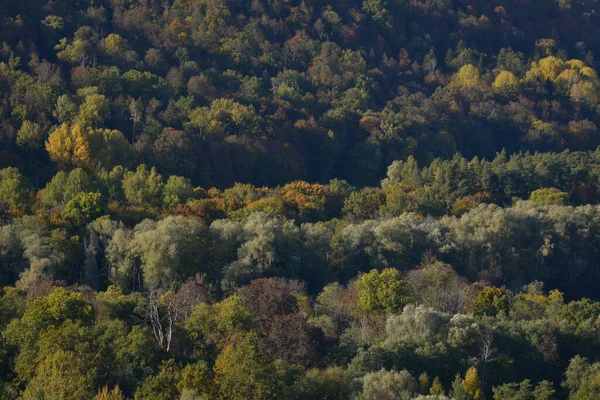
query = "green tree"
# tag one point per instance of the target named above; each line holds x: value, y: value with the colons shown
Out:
x: 143, y: 187
x: 83, y: 208
x: 65, y: 186
x: 13, y: 190
x: 61, y: 376
x: 242, y: 372
x: 490, y: 301
x: 162, y: 386
x: 94, y: 110
x: 383, y: 291
x: 30, y: 136
x: 458, y: 391
x: 177, y: 191
x: 389, y: 385
x: 212, y: 327
x: 549, y: 196
x: 65, y: 109
x: 332, y: 383
x: 172, y: 250
x: 41, y: 315
x: 424, y: 383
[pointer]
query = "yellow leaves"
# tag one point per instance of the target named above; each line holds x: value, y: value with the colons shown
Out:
x: 556, y: 295
x: 550, y: 67
x: 571, y: 77
x: 69, y: 147
x: 576, y: 64
x: 472, y: 384
x: 94, y: 109
x: 505, y: 78
x: 554, y: 69
x: 568, y: 76
x: 72, y: 146
x: 546, y: 69
x: 584, y: 92
x: 224, y: 117
x: 107, y: 394
x: 467, y: 77
x: 506, y: 83
x: 589, y: 73
x: 115, y: 45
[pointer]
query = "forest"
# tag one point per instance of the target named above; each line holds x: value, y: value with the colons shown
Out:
x: 299, y: 200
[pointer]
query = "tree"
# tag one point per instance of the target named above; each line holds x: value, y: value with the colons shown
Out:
x: 143, y: 187
x: 418, y: 325
x: 582, y: 379
x: 177, y: 191
x: 424, y: 383
x: 242, y: 373
x: 83, y: 208
x: 398, y: 201
x: 136, y: 109
x: 490, y: 301
x: 162, y: 386
x: 42, y: 315
x: 172, y: 250
x: 458, y: 391
x: 332, y: 383
x: 389, y: 385
x: 267, y: 246
x: 267, y: 298
x: 291, y: 339
x: 68, y: 146
x: 467, y: 77
x: 436, y: 388
x: 364, y: 204
x: 65, y: 109
x: 377, y: 10
x: 65, y: 186
x: 212, y: 327
x: 94, y: 110
x: 115, y: 45
x: 544, y: 391
x: 487, y: 352
x: 196, y: 381
x: 224, y: 117
x: 549, y: 196
x: 109, y: 394
x: 110, y: 149
x: 30, y: 136
x: 13, y: 188
x: 62, y: 375
x: 472, y: 385
x: 506, y: 84
x: 383, y: 291
x: 524, y: 391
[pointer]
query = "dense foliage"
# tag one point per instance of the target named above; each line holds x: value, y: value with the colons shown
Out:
x: 268, y: 92
x: 134, y: 265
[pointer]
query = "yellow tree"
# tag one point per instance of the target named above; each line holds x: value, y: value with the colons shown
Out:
x: 107, y: 394
x: 506, y: 83
x: 436, y: 388
x: 467, y: 77
x: 472, y: 384
x: 68, y: 146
